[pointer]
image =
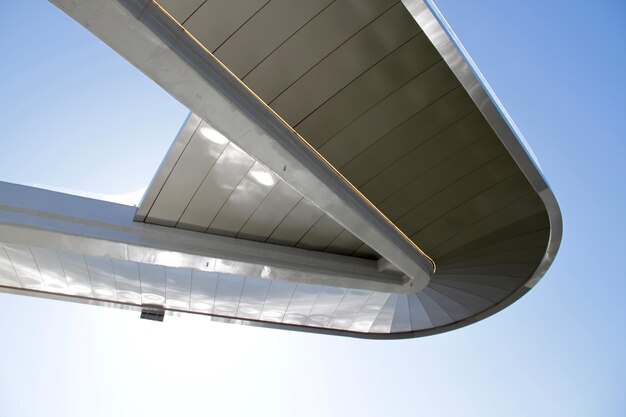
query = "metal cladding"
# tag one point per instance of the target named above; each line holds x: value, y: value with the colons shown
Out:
x: 345, y: 170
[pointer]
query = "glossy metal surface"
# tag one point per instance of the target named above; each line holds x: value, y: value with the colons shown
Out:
x: 206, y: 183
x: 391, y: 99
x: 162, y: 50
x: 77, y: 225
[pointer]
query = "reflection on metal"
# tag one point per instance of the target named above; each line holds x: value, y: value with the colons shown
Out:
x: 210, y: 90
x: 325, y: 151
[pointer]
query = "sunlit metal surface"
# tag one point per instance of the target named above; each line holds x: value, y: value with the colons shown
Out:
x: 181, y: 289
x: 213, y: 186
x: 372, y: 112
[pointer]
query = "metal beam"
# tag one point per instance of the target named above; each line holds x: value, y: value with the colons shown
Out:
x: 67, y: 223
x: 146, y: 36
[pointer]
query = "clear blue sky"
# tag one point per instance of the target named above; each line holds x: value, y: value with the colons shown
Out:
x: 73, y: 114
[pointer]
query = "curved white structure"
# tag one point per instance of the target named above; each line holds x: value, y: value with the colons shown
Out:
x: 345, y: 170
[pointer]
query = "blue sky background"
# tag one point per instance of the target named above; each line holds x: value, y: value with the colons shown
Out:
x: 74, y: 114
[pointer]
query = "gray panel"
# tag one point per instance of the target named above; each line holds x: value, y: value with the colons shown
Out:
x: 215, y: 189
x: 501, y: 216
x: 253, y: 297
x: 177, y: 287
x: 321, y: 234
x: 277, y: 21
x: 296, y: 224
x: 152, y: 278
x: 8, y: 276
x: 499, y: 242
x: 345, y: 243
x: 451, y: 307
x: 344, y: 64
x: 384, y: 117
x: 272, y: 210
x: 76, y: 273
x: 102, y: 277
x: 518, y: 255
x: 51, y: 269
x: 419, y: 316
x: 402, y: 316
x: 408, y: 135
x: 181, y: 9
x: 434, y: 163
x: 495, y: 178
x: 312, y: 43
x: 187, y: 175
x: 25, y: 266
x: 472, y: 302
x: 437, y: 315
x: 203, y: 286
x: 365, y: 91
x: 461, y: 211
x: 435, y: 180
x: 243, y: 201
x: 365, y: 251
x: 217, y: 20
x: 490, y: 293
x: 504, y: 282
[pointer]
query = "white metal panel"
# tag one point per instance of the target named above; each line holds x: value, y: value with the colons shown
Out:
x: 152, y: 278
x: 243, y: 201
x: 228, y: 294
x: 186, y: 176
x: 253, y: 297
x: 419, y: 317
x: 451, y: 307
x: 102, y: 277
x: 177, y: 287
x: 296, y: 223
x: 301, y: 303
x: 349, y: 308
x: 269, y: 214
x: 402, y: 316
x: 384, y: 319
x: 325, y: 306
x: 51, y: 269
x: 277, y: 300
x: 437, y: 315
x: 321, y: 234
x: 127, y: 281
x: 370, y: 311
x: 25, y: 266
x: 8, y: 276
x: 203, y: 287
x: 76, y: 273
x: 226, y: 174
